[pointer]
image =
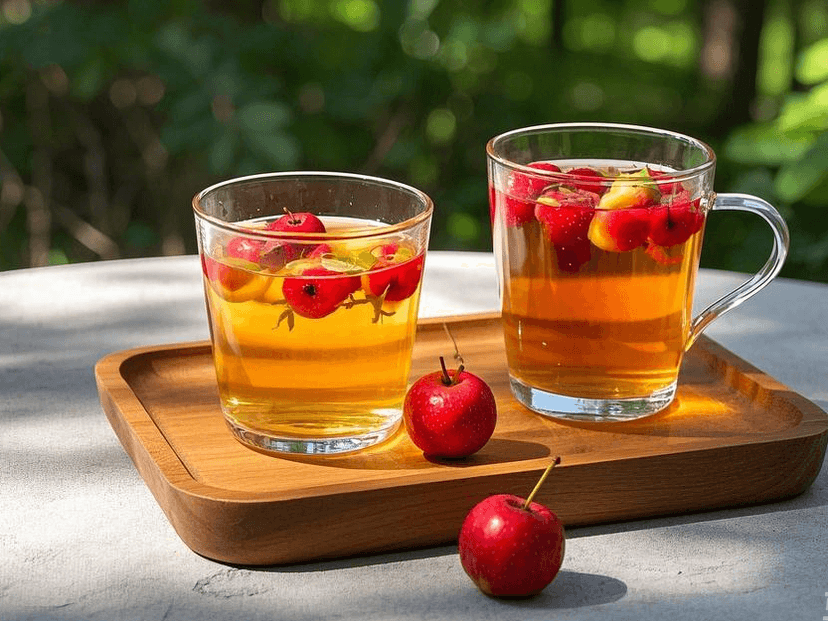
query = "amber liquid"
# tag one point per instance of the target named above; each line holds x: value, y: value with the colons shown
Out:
x: 614, y: 329
x: 339, y: 376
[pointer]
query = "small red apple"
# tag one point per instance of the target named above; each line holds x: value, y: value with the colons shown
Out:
x: 511, y: 547
x: 521, y: 191
x: 450, y: 414
x: 302, y: 222
x: 397, y: 281
x: 318, y: 292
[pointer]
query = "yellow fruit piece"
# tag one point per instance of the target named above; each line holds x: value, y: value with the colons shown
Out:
x: 630, y: 190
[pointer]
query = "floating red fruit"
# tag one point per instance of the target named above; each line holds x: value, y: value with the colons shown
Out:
x: 301, y: 222
x: 570, y: 257
x: 675, y: 220
x: 318, y: 292
x: 320, y: 251
x: 230, y: 278
x: 275, y: 254
x: 521, y: 191
x: 665, y: 186
x: 397, y: 281
x: 244, y: 248
x: 565, y: 213
x: 582, y: 179
x: 620, y: 230
x: 227, y: 277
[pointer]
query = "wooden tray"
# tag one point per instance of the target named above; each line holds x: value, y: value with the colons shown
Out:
x: 734, y: 436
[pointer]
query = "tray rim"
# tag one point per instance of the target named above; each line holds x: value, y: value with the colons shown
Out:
x: 118, y: 394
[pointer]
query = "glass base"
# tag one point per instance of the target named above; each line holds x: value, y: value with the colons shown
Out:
x: 309, y: 446
x: 591, y: 410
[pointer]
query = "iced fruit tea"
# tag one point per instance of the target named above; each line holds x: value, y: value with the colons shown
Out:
x: 596, y: 276
x: 313, y: 340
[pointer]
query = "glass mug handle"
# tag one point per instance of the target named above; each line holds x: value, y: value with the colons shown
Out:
x: 781, y: 241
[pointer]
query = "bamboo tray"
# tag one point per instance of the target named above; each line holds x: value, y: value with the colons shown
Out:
x: 734, y: 436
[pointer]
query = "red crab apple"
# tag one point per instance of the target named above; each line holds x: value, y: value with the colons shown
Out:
x: 622, y: 218
x: 397, y: 281
x: 450, y: 414
x: 521, y: 191
x: 588, y: 180
x: 278, y: 253
x: 675, y: 220
x: 565, y: 213
x: 667, y: 186
x: 300, y: 222
x: 511, y: 547
x: 228, y: 277
x: 318, y: 291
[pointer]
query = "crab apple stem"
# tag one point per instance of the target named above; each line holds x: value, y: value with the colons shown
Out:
x: 457, y: 355
x: 545, y: 474
x: 289, y: 213
x: 447, y: 379
x: 446, y: 376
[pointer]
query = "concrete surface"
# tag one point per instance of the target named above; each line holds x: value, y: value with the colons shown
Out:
x: 81, y: 537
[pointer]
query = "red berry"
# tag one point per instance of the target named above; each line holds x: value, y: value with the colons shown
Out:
x: 570, y: 257
x: 276, y: 254
x: 521, y: 191
x: 665, y: 187
x: 232, y: 278
x: 302, y: 222
x: 675, y: 220
x: 320, y: 251
x: 397, y: 281
x: 509, y: 550
x: 583, y: 180
x: 565, y: 214
x: 628, y: 228
x: 228, y: 277
x: 244, y: 248
x: 318, y: 292
x: 450, y: 414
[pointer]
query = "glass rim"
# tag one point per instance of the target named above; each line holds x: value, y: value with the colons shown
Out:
x: 621, y: 128
x: 367, y: 232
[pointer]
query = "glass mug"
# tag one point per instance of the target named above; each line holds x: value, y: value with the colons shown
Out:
x: 312, y: 318
x: 597, y: 232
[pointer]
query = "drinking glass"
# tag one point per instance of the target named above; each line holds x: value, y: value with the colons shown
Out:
x: 312, y: 282
x: 597, y: 232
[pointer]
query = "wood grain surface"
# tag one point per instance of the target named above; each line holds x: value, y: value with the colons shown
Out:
x: 734, y: 436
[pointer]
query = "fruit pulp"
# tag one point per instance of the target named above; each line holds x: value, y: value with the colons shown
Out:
x: 604, y: 325
x: 288, y: 375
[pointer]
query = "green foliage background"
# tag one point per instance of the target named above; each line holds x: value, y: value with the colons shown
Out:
x: 112, y: 115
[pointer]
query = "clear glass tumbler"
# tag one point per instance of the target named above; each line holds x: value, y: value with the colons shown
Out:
x: 597, y: 234
x: 312, y: 282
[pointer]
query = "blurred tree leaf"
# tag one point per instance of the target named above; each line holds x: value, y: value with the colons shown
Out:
x: 796, y: 179
x: 278, y: 150
x: 763, y: 144
x: 809, y: 112
x: 812, y: 66
x: 263, y: 117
